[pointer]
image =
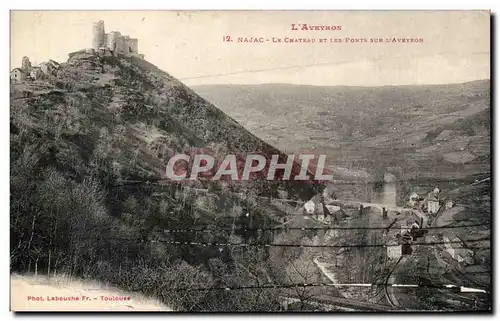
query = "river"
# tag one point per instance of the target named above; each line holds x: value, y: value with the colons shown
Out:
x: 385, y: 193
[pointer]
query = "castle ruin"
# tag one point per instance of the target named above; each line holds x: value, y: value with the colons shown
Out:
x: 113, y: 41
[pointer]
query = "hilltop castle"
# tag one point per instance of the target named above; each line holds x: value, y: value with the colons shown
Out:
x: 103, y: 44
x: 113, y: 41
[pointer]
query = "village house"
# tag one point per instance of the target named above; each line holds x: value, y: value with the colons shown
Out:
x: 406, y: 240
x: 413, y: 200
x: 36, y: 73
x: 320, y: 209
x: 448, y: 203
x: 309, y: 207
x: 414, y: 196
x: 404, y: 228
x: 313, y: 205
x: 324, y: 213
x: 321, y: 213
x: 432, y: 204
x: 17, y: 75
x: 337, y: 214
x: 27, y: 71
x: 282, y: 194
x: 394, y: 250
x: 49, y: 67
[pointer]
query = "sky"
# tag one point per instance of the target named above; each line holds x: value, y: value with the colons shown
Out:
x: 189, y: 44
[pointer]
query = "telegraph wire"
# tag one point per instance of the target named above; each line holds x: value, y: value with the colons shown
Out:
x: 250, y: 229
x: 450, y: 287
x: 216, y: 244
x: 154, y: 180
x: 321, y: 64
x: 466, y: 273
x: 205, y: 244
x: 268, y: 69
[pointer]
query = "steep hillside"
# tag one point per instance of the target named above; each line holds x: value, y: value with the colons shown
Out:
x: 441, y: 130
x: 88, y: 145
x: 142, y: 113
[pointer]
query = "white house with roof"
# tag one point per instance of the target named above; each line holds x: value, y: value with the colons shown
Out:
x: 310, y: 206
x: 394, y: 251
x: 36, y: 73
x: 448, y: 203
x: 413, y: 199
x: 432, y: 204
x: 17, y: 74
x: 414, y: 196
x: 314, y: 205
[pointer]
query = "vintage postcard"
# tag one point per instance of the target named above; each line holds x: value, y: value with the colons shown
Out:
x: 257, y: 161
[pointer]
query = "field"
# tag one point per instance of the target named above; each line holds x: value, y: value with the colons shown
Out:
x: 425, y: 131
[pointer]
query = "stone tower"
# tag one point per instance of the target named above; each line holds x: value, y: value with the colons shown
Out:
x: 26, y: 65
x: 98, y: 35
x: 134, y: 45
x: 115, y: 42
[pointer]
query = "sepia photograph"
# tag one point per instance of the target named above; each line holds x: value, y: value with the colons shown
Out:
x: 250, y: 161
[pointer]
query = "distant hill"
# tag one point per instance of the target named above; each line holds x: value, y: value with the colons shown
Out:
x: 370, y: 127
